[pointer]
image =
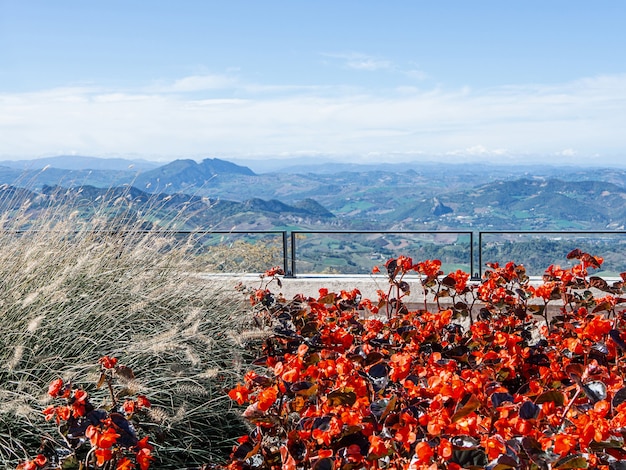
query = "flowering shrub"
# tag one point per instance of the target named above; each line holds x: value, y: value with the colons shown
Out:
x: 95, y: 437
x: 496, y: 377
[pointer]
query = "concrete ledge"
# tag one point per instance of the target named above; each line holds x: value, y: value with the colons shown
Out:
x: 368, y: 285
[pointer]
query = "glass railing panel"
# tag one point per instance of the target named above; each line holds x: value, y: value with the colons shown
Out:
x: 538, y: 250
x: 356, y: 253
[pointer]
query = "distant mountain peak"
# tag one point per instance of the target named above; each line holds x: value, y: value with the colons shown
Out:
x: 183, y: 174
x: 217, y: 166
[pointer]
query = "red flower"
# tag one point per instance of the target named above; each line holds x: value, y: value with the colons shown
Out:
x: 144, y: 444
x: 37, y: 462
x: 55, y: 388
x: 275, y: 271
x: 144, y: 458
x: 404, y: 263
x: 108, y: 362
x: 78, y: 402
x: 129, y: 406
x: 143, y: 402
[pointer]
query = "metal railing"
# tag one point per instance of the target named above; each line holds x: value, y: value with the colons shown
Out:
x: 291, y: 242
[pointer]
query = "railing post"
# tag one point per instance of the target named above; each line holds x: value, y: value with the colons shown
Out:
x: 285, y: 255
x: 293, y: 254
x: 480, y: 256
x: 471, y: 234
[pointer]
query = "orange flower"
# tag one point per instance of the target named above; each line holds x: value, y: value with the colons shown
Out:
x: 37, y: 462
x: 445, y: 449
x: 267, y: 398
x: 325, y: 434
x: 405, y: 263
x: 430, y: 268
x: 564, y: 443
x: 101, y: 439
x: 125, y: 464
x: 275, y: 271
x: 28, y: 465
x: 378, y: 447
x: 494, y: 446
x: 400, y: 366
x: 103, y: 456
x: 424, y: 452
x: 596, y: 329
x: 460, y: 279
x: 239, y: 394
x: 545, y: 291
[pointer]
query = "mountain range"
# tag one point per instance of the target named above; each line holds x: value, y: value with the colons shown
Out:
x: 410, y: 196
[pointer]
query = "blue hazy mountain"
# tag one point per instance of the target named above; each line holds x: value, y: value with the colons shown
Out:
x: 405, y: 196
x: 79, y: 163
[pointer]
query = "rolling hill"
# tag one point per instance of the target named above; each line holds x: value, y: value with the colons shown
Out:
x: 358, y: 197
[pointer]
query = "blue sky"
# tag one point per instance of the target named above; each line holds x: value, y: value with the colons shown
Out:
x: 367, y: 81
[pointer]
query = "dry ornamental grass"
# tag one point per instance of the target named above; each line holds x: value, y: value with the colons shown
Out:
x: 71, y: 292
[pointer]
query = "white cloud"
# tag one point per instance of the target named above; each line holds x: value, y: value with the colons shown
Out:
x: 587, y: 115
x: 358, y: 61
x: 479, y: 151
x: 567, y: 153
x: 368, y: 63
x: 203, y: 82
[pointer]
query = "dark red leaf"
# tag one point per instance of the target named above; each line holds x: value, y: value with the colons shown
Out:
x: 324, y: 464
x: 471, y: 404
x: 553, y: 396
x: 574, y: 254
x: 616, y: 336
x: 570, y: 461
x: 529, y: 410
x: 599, y: 283
x: 341, y: 397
